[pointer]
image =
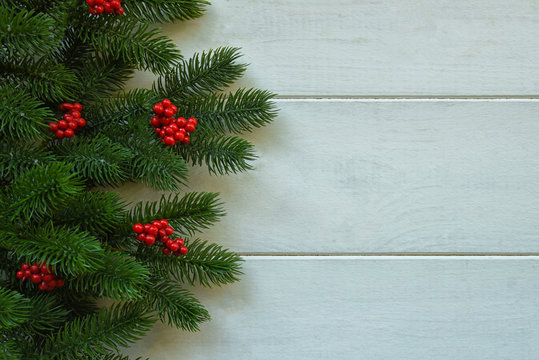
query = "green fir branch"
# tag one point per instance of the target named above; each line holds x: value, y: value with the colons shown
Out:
x: 95, y: 336
x: 120, y: 278
x: 222, y: 154
x: 26, y: 32
x: 205, y: 264
x: 97, y: 159
x: 187, y: 213
x: 40, y: 191
x: 131, y: 42
x: 67, y: 250
x: 42, y: 79
x: 175, y: 306
x: 47, y: 314
x: 164, y: 11
x: 16, y: 159
x: 237, y: 112
x: 204, y: 73
x: 15, y: 309
x: 22, y: 116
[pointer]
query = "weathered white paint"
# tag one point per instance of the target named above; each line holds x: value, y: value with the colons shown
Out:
x: 385, y: 176
x: 350, y: 47
x: 295, y: 308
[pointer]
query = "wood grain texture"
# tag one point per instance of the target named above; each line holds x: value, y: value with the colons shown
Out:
x: 380, y: 47
x: 374, y: 308
x: 384, y: 176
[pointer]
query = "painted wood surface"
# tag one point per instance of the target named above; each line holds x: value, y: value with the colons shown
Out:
x: 294, y: 308
x: 390, y: 176
x: 378, y: 47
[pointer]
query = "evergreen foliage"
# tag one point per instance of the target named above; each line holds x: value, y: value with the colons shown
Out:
x: 56, y: 200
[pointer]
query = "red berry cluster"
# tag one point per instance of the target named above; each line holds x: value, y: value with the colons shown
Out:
x: 70, y: 122
x: 160, y: 230
x: 97, y: 7
x: 42, y: 274
x: 169, y: 129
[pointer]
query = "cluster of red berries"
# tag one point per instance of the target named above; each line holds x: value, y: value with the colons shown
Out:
x: 160, y: 230
x: 169, y: 129
x: 42, y: 274
x: 97, y: 7
x: 70, y: 122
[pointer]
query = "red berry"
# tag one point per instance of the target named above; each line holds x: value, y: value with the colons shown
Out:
x: 192, y: 120
x: 59, y: 283
x: 157, y: 224
x: 174, y: 246
x: 169, y: 141
x: 120, y: 11
x: 162, y: 133
x: 166, y: 251
x: 75, y: 114
x: 20, y: 274
x: 81, y: 122
x: 183, y: 250
x: 164, y: 222
x: 47, y: 278
x: 138, y: 228
x: 27, y: 273
x: 25, y: 266
x: 99, y: 2
x: 141, y: 236
x: 155, y: 121
x: 179, y: 241
x: 53, y: 126
x: 66, y: 107
x: 149, y: 240
x: 34, y: 269
x: 146, y: 227
x: 90, y: 3
x: 182, y: 130
x: 115, y: 4
x: 174, y: 127
x: 174, y: 108
x: 73, y: 125
x: 162, y: 232
x: 166, y: 103
x: 152, y: 230
x: 108, y: 8
x: 35, y: 278
x: 93, y: 12
x: 168, y: 242
x: 68, y: 117
x: 69, y: 133
x: 186, y: 140
x: 42, y: 286
x: 169, y: 230
x: 99, y: 9
x: 164, y: 239
x: 181, y: 122
x: 168, y: 112
x: 59, y: 134
x: 51, y: 285
x: 157, y: 130
x: 77, y: 106
x: 62, y: 124
x: 44, y: 269
x: 179, y: 136
x: 165, y: 120
x: 158, y: 109
x: 190, y: 127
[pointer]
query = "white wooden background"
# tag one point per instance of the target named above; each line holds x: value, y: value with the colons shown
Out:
x: 394, y: 212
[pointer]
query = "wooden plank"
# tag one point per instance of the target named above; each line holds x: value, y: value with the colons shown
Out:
x: 381, y: 47
x: 353, y: 308
x: 385, y: 176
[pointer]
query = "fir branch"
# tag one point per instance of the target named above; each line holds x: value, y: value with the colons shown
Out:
x: 26, y: 33
x: 202, y: 74
x: 94, y: 336
x: 240, y: 111
x: 72, y: 52
x: 40, y: 191
x: 120, y: 278
x: 17, y: 158
x: 98, y: 159
x: 42, y: 79
x: 46, y: 314
x: 164, y: 11
x: 205, y: 264
x: 131, y: 42
x: 175, y: 306
x: 22, y: 116
x: 9, y: 349
x: 15, y: 309
x: 67, y: 250
x: 189, y: 213
x: 222, y: 154
x: 97, y: 212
